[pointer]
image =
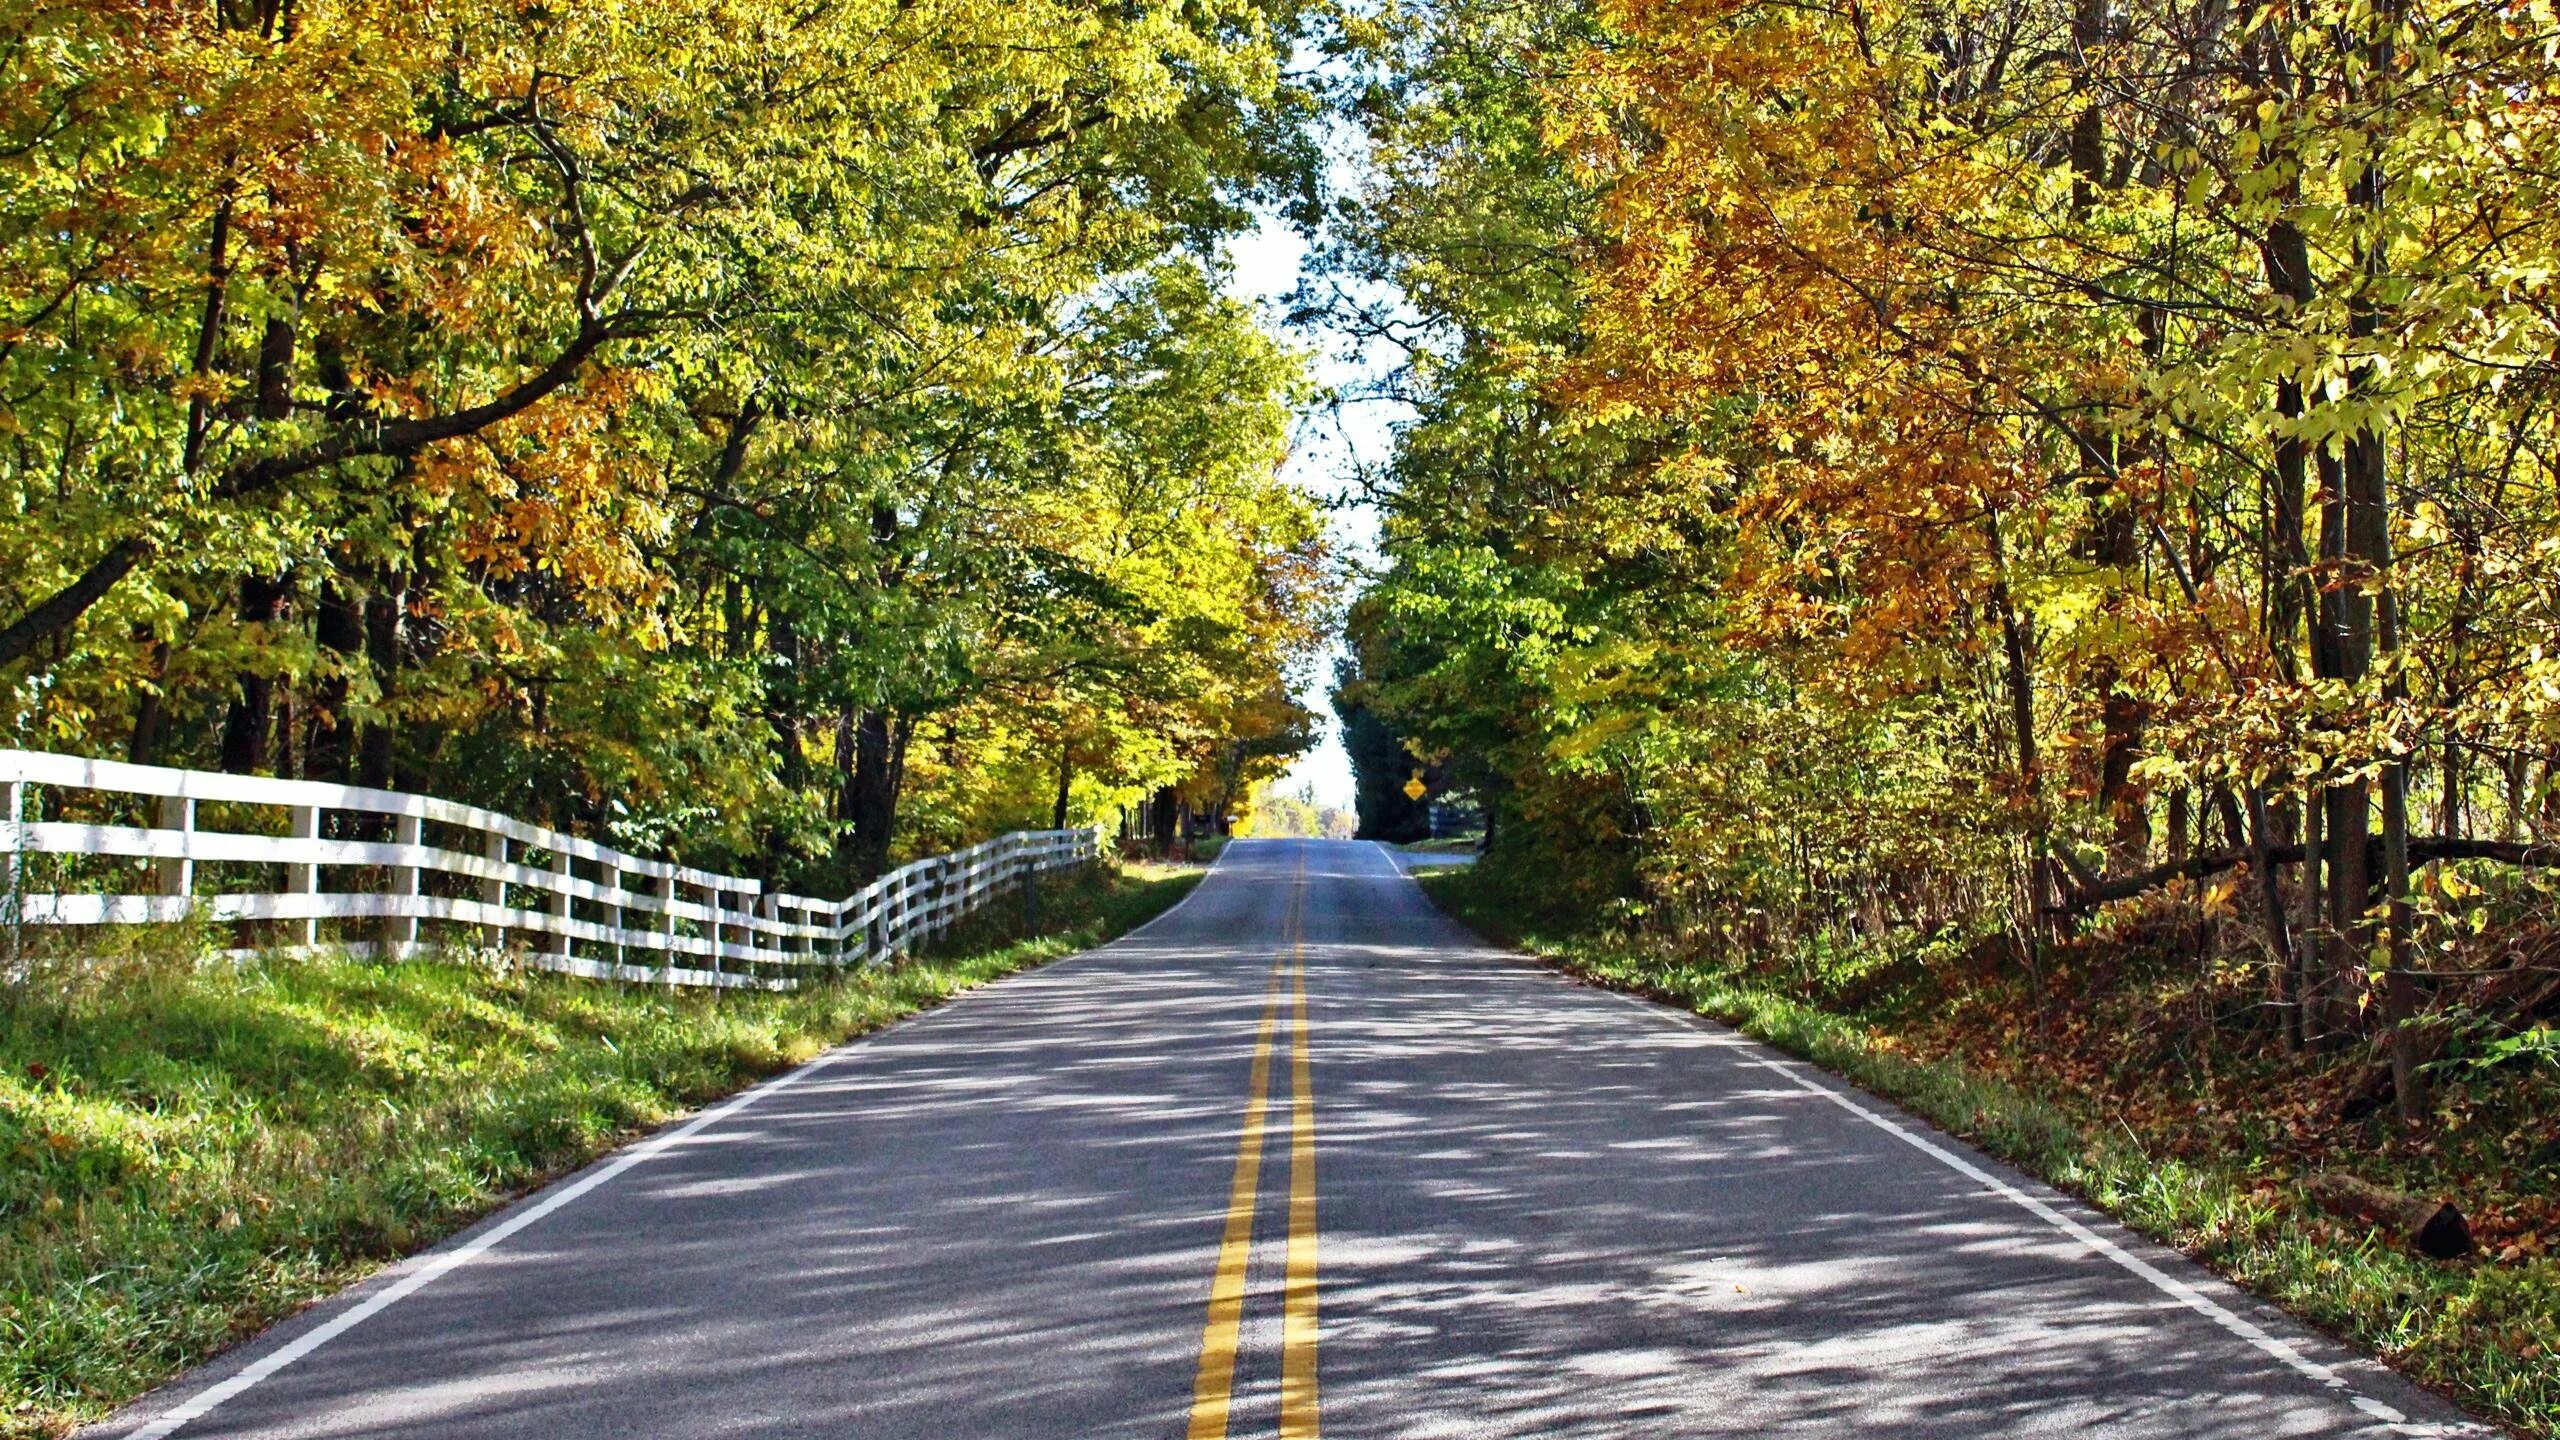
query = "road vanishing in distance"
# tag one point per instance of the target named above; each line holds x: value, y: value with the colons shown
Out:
x: 1301, y: 1157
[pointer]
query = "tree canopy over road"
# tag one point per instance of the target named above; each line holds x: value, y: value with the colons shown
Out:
x: 780, y: 431
x: 1931, y: 465
x: 2032, y: 524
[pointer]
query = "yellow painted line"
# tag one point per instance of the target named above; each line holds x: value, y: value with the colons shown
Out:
x: 1212, y: 1390
x: 1298, y: 1303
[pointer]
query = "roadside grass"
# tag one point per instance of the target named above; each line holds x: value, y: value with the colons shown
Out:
x: 1444, y: 845
x: 190, y: 1151
x: 2486, y: 1332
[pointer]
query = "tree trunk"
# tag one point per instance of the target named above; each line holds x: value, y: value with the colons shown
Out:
x: 2112, y: 539
x: 2345, y: 652
x: 2369, y: 540
x: 2453, y: 816
x: 217, y: 292
x: 1066, y: 773
x: 338, y: 624
x: 2548, y: 819
x: 385, y: 614
x: 871, y: 792
x: 252, y: 716
x: 2368, y: 546
x: 2316, y: 989
x: 2088, y: 128
x: 151, y: 710
x: 275, y: 369
x: 847, y: 746
x: 2271, y: 909
x: 2121, y: 723
x: 2291, y: 587
x: 786, y: 664
x: 2017, y: 647
x: 2399, y: 986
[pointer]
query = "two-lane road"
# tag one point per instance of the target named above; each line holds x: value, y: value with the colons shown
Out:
x: 1300, y: 1154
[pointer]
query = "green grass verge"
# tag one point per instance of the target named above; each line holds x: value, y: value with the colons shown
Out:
x: 188, y: 1153
x: 2486, y: 1334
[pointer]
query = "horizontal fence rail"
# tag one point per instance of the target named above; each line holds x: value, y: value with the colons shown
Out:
x: 395, y: 874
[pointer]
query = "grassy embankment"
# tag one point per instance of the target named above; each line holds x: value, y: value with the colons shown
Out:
x: 2202, y: 1151
x: 188, y: 1152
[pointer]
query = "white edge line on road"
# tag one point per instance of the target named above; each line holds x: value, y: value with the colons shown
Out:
x: 435, y: 1264
x: 2282, y: 1350
x: 426, y: 1269
x: 1169, y: 911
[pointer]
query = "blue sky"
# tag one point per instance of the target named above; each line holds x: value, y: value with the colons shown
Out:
x: 1322, y: 459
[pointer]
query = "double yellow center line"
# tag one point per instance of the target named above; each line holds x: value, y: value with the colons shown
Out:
x: 1212, y: 1394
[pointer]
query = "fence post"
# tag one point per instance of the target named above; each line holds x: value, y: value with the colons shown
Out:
x: 768, y: 907
x: 560, y: 903
x: 902, y: 913
x: 667, y: 922
x: 611, y: 878
x: 719, y: 934
x: 1029, y: 858
x: 303, y: 877
x: 401, y: 931
x: 13, y: 878
x: 494, y: 891
x: 177, y: 873
x: 928, y: 896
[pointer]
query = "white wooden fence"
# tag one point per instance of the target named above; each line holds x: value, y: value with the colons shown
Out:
x: 252, y: 849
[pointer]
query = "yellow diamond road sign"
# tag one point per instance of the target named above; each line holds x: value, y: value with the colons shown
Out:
x: 1413, y: 788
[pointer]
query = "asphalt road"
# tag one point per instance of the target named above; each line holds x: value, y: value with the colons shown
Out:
x: 1472, y: 1199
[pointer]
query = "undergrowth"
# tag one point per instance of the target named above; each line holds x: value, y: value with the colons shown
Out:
x: 190, y: 1150
x: 2206, y: 1153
